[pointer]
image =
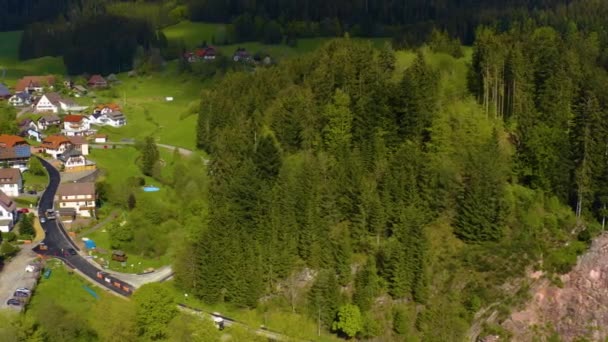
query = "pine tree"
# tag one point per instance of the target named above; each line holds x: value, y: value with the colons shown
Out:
x: 417, y: 99
x: 324, y: 298
x: 480, y: 206
x: 367, y: 286
x: 149, y: 156
x: 267, y: 159
x: 337, y: 133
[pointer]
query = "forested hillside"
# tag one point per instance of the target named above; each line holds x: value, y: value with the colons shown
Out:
x: 403, y: 187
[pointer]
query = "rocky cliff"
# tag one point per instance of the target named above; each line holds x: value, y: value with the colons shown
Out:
x: 579, y: 308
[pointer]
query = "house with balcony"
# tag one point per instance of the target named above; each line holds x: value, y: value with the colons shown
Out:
x: 74, y: 161
x: 8, y: 213
x: 14, y: 151
x: 78, y: 198
x: 76, y: 125
x: 56, y: 145
x: 11, y: 182
x: 47, y: 121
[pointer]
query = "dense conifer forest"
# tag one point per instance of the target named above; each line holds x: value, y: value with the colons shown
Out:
x: 382, y: 193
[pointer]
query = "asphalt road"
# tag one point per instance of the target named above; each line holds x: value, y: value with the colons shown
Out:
x: 58, y: 241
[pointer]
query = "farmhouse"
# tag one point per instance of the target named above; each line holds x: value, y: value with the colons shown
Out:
x: 96, y: 81
x: 11, y: 182
x: 34, y: 84
x: 22, y: 98
x: 29, y: 129
x: 76, y: 125
x: 8, y: 213
x: 53, y: 102
x: 78, y: 196
x: 55, y: 145
x: 14, y: 151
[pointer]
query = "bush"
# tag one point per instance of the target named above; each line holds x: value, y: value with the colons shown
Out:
x: 10, y: 236
x: 8, y: 250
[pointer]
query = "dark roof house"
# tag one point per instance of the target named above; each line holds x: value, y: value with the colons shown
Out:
x: 97, y: 81
x: 4, y: 92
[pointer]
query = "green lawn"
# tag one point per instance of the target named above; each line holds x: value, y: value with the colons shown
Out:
x: 31, y: 181
x: 66, y: 289
x: 193, y: 33
x: 148, y: 113
x: 120, y: 163
x: 294, y: 325
x: 135, y: 263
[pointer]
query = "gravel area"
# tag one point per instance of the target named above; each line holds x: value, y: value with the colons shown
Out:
x: 13, y: 276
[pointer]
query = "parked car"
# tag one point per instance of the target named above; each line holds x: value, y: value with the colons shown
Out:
x: 50, y: 214
x: 72, y: 251
x: 32, y: 192
x: 21, y: 294
x: 23, y: 211
x: 14, y: 302
x: 42, y: 220
x: 24, y: 289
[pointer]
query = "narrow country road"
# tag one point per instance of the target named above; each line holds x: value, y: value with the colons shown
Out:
x: 59, y: 243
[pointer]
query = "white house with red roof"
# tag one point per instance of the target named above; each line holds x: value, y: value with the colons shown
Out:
x: 76, y: 125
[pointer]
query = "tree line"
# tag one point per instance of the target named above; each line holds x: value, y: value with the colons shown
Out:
x: 91, y: 44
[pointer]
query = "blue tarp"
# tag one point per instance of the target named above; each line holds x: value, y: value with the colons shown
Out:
x: 88, y: 289
x: 90, y: 244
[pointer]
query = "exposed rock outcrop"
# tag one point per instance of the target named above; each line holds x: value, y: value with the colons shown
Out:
x: 579, y: 308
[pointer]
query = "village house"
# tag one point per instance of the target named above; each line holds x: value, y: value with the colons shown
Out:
x: 11, y: 182
x: 109, y: 115
x: 53, y: 102
x: 241, y: 55
x: 74, y: 161
x: 206, y: 53
x: 78, y: 198
x: 79, y: 90
x: 97, y: 81
x: 20, y: 99
x: 34, y: 84
x: 56, y: 145
x: 8, y: 213
x: 80, y: 144
x: 14, y: 151
x: 76, y: 125
x: 47, y: 121
x: 29, y: 129
x: 5, y: 94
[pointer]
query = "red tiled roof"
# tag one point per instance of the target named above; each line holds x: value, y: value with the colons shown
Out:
x: 35, y: 81
x: 95, y: 79
x: 7, y: 140
x: 54, y: 141
x: 73, y: 118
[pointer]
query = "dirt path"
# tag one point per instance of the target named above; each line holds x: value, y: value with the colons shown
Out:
x: 13, y: 275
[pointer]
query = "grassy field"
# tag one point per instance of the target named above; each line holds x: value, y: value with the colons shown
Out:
x: 135, y: 263
x: 193, y: 33
x: 294, y: 325
x: 121, y: 163
x: 66, y: 289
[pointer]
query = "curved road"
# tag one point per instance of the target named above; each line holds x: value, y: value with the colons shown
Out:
x: 58, y: 241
